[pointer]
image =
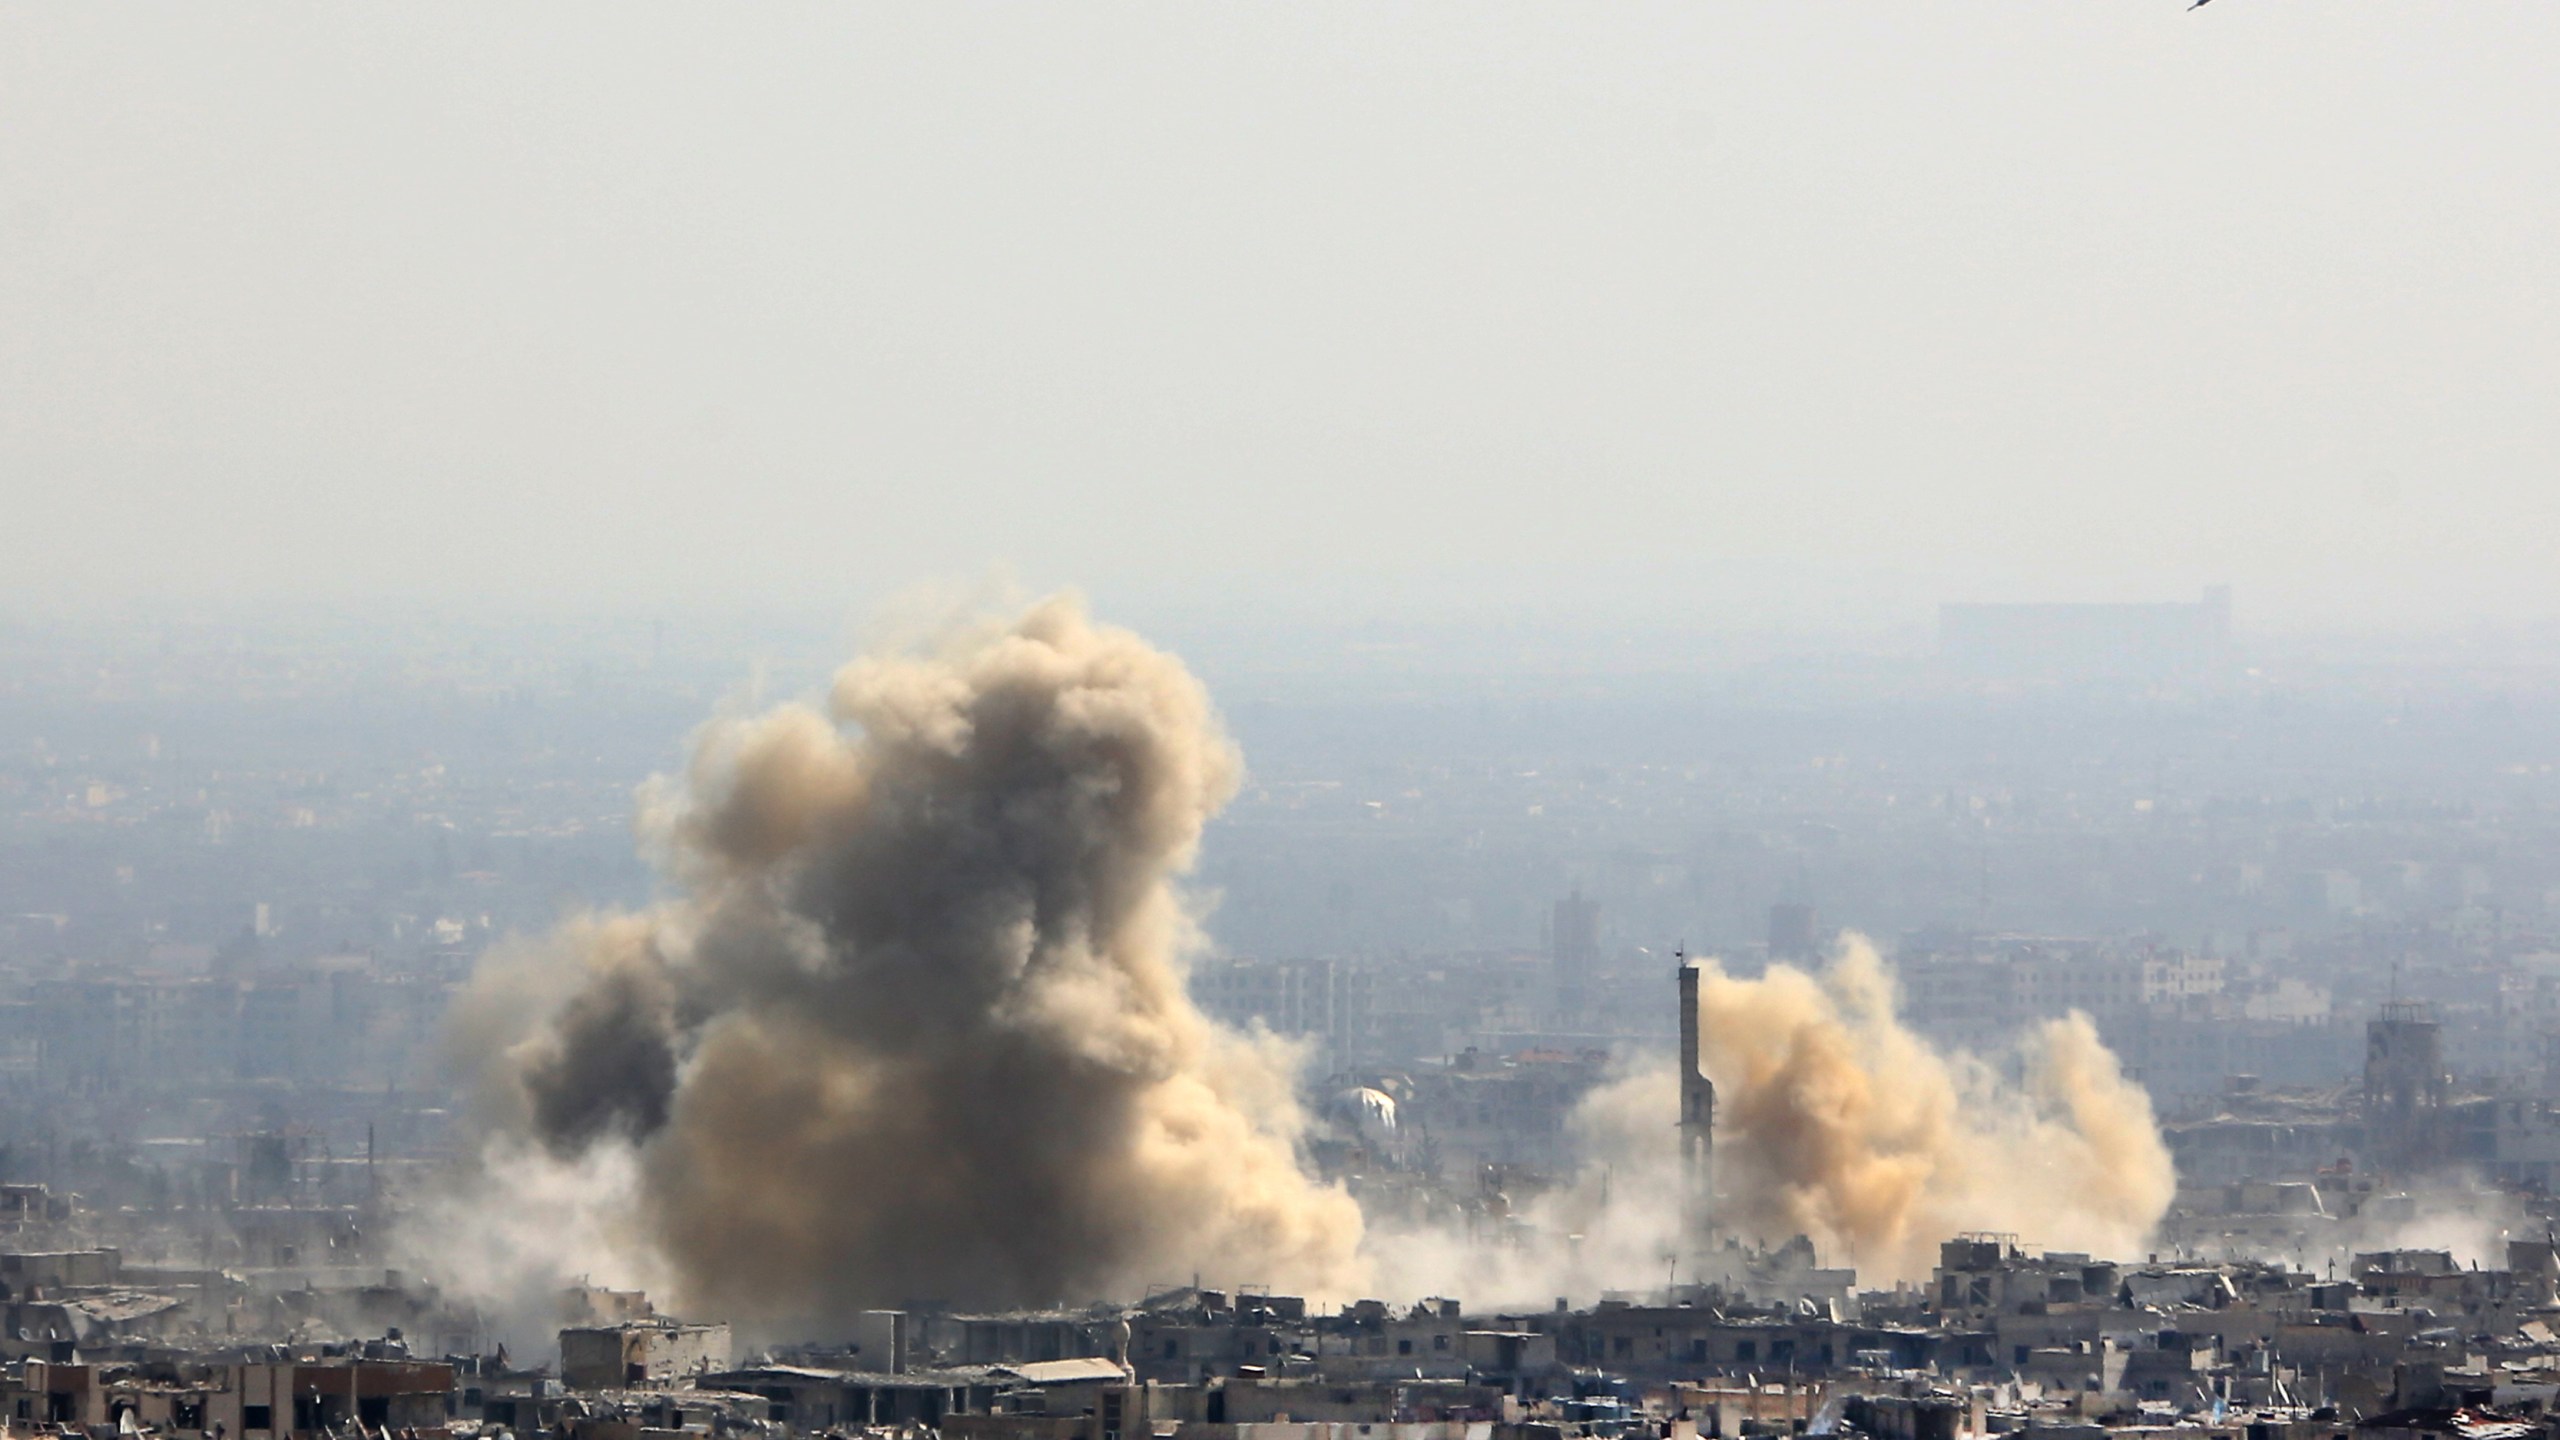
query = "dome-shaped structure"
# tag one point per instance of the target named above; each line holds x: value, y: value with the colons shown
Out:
x: 1363, y: 1115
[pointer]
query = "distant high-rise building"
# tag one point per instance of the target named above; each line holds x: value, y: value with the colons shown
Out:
x: 1573, y: 940
x: 1794, y: 932
x: 2405, y: 1086
x: 1325, y: 1000
x: 2071, y: 641
x: 1573, y: 947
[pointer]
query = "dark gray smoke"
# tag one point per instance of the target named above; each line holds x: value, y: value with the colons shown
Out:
x: 918, y: 1026
x: 607, y: 1062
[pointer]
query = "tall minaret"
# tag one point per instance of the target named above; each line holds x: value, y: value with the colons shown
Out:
x: 1697, y: 1125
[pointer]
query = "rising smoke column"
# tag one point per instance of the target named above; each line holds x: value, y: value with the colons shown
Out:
x: 917, y: 1027
x: 1837, y: 1122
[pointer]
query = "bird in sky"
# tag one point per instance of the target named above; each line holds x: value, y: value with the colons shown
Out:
x: 2200, y: 4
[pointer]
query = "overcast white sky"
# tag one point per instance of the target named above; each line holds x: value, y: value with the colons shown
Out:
x: 1751, y: 313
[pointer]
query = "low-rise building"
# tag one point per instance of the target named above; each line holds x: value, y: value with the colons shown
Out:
x: 640, y: 1352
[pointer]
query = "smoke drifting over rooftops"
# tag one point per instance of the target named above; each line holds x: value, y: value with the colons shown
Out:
x: 915, y: 1027
x: 917, y: 1024
x: 1838, y: 1122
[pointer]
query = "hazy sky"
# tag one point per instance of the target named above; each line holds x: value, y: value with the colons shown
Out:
x: 1787, y: 311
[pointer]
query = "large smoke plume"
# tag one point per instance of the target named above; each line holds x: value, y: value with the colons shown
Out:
x: 916, y: 1026
x: 1836, y: 1122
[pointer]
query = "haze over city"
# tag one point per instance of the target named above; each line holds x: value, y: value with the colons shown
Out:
x: 1749, y: 317
x: 1512, y: 722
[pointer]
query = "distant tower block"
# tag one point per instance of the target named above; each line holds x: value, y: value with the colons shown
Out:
x: 1697, y: 1125
x: 1575, y: 934
x: 1573, y: 939
x: 2405, y: 1086
x: 1794, y: 932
